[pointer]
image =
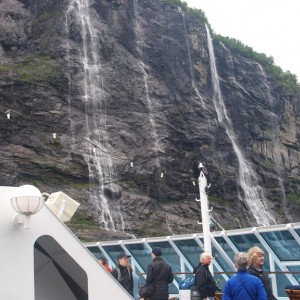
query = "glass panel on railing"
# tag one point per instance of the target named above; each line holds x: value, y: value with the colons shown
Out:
x: 221, y: 261
x: 113, y: 251
x: 295, y: 269
x: 282, y: 281
x: 190, y: 249
x: 283, y: 244
x: 141, y: 254
x: 95, y: 251
x: 245, y: 242
x: 227, y: 249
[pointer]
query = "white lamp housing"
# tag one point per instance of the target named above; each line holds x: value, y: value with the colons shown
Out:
x: 63, y: 206
x: 26, y: 201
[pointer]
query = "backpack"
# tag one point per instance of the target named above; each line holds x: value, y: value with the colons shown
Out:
x: 119, y: 274
x: 187, y: 283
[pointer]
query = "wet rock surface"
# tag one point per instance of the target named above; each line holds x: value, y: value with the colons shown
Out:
x: 160, y: 121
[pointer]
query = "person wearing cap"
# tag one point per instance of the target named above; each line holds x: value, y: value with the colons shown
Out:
x: 123, y: 273
x: 103, y: 262
x: 160, y: 274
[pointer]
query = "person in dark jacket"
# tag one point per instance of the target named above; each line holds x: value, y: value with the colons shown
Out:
x: 160, y: 273
x: 204, y: 281
x: 123, y: 273
x: 243, y: 286
x: 256, y: 258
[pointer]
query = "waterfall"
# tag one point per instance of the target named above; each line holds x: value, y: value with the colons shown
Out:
x: 96, y: 148
x: 253, y: 194
x: 139, y: 44
x: 190, y: 62
x: 276, y: 144
x: 168, y: 224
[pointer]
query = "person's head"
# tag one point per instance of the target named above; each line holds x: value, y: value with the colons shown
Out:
x: 123, y: 259
x: 156, y: 252
x: 241, y: 260
x: 256, y: 257
x: 205, y: 258
x: 102, y: 259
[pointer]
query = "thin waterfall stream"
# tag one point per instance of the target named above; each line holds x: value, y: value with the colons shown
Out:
x: 101, y: 170
x: 253, y: 194
x: 139, y: 46
x: 276, y: 140
x: 190, y: 61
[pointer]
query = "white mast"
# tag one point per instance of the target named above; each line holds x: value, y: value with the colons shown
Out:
x: 202, y: 181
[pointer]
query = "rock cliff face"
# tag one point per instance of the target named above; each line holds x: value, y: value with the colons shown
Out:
x: 129, y: 88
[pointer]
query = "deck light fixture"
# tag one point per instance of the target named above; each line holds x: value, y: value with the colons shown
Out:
x: 26, y: 201
x: 63, y: 206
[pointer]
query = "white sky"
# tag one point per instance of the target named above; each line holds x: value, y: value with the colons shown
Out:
x: 268, y: 26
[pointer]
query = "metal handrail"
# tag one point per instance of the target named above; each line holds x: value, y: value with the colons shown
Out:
x: 232, y: 272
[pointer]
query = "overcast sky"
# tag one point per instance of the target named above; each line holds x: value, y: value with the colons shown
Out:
x: 268, y: 26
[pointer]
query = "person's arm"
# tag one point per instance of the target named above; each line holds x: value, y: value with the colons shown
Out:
x: 131, y: 281
x: 150, y: 275
x: 114, y: 273
x: 226, y: 293
x: 262, y: 295
x: 138, y: 282
x: 171, y: 276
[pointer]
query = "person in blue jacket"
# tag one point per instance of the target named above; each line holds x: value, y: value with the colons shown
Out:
x: 243, y: 286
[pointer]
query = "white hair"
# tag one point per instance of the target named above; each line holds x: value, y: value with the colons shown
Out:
x: 204, y: 255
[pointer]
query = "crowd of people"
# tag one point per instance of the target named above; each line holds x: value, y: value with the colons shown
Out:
x: 249, y: 283
x: 159, y: 272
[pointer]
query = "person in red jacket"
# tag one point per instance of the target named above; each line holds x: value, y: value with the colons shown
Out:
x: 103, y: 262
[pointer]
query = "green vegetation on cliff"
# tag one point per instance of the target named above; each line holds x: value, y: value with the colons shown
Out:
x: 293, y: 198
x: 198, y: 13
x: 286, y: 78
x: 35, y: 69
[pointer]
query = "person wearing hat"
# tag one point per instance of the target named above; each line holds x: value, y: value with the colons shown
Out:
x: 159, y: 274
x: 123, y: 273
x: 103, y: 262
